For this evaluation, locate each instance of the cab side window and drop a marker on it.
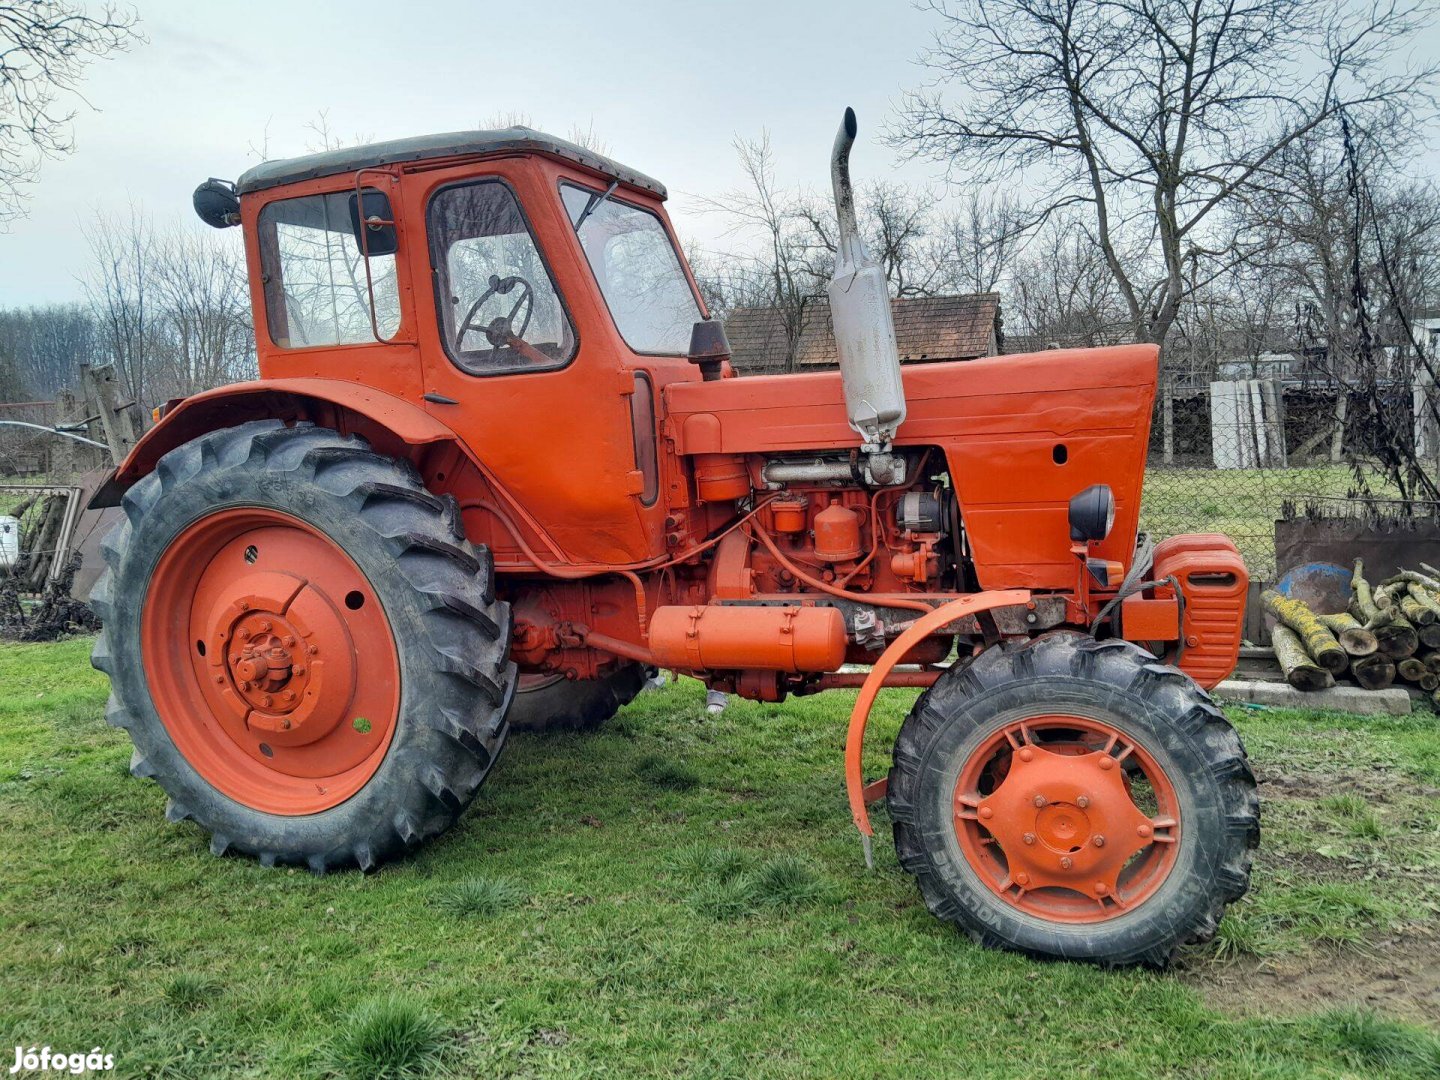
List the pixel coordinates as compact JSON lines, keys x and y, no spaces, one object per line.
{"x":499,"y":309}
{"x":315,"y":287}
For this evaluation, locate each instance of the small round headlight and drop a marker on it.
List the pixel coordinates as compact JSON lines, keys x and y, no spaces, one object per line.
{"x":1092,"y":513}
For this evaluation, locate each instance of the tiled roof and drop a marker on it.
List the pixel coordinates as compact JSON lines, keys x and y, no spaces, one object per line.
{"x":926,"y":328}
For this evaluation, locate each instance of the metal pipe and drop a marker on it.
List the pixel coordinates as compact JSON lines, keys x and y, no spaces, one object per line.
{"x":619,"y":647}
{"x":54,"y":431}
{"x":844,"y":191}
{"x":852,"y":680}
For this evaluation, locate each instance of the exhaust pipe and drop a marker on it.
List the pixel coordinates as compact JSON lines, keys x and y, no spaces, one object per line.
{"x":860,"y":312}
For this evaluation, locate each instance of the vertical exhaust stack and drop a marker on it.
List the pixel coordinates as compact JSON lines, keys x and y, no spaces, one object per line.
{"x":860,"y":312}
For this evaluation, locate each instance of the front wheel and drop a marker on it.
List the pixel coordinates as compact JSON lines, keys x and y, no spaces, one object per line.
{"x":1074,"y":799}
{"x":304,"y":648}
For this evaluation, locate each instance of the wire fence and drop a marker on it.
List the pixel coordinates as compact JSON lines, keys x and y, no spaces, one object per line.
{"x":27,"y":455}
{"x":1227,"y":458}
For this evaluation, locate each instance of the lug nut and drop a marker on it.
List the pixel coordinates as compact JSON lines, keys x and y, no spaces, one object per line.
{"x":285,"y":724}
{"x":1083,"y":801}
{"x":313,"y":649}
{"x":244,"y":605}
{"x":1107,"y":763}
{"x":244,"y":635}
{"x":1022,"y":879}
{"x":289,"y":642}
{"x":1098,"y":841}
{"x":1029,"y":838}
{"x":265,"y":701}
{"x":1027,"y":754}
{"x":1039,"y":800}
{"x":265,"y":626}
{"x":1101,"y":888}
{"x":1145,"y":831}
{"x":299,"y":671}
{"x":1066,"y":863}
{"x":220,"y":679}
{"x":986,"y":813}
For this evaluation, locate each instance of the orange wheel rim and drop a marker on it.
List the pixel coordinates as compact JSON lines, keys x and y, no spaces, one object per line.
{"x":270,"y":661}
{"x":1067,"y":818}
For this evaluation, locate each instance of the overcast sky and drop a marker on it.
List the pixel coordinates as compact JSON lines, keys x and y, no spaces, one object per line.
{"x":667,"y":86}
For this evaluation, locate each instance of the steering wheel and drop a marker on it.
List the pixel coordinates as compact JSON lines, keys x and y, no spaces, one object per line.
{"x":501,"y":332}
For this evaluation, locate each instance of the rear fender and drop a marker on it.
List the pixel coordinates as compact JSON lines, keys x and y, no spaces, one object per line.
{"x":392,"y":425}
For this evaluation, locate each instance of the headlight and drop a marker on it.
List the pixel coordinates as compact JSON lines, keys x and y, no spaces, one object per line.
{"x":1092,"y":513}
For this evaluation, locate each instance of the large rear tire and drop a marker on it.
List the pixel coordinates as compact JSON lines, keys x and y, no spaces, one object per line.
{"x":560,"y":704}
{"x":1074,"y":799}
{"x":304,"y":648}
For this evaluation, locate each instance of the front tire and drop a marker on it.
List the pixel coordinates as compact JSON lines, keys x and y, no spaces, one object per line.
{"x":1074,"y":799}
{"x":304,"y":648}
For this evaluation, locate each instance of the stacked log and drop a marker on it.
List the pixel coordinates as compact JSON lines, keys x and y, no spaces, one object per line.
{"x":1388,"y":632}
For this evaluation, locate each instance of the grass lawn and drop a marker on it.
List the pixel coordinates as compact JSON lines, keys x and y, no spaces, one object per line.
{"x":681,"y":895}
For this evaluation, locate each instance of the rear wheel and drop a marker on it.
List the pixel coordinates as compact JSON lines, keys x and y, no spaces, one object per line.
{"x":555,"y":703}
{"x":1074,"y":799}
{"x":304,"y":648}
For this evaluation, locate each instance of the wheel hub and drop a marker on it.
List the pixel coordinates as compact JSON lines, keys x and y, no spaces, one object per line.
{"x":1059,"y":832}
{"x":262,"y":665}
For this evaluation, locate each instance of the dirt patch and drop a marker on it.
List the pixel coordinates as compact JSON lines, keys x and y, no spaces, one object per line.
{"x":1396,"y":976}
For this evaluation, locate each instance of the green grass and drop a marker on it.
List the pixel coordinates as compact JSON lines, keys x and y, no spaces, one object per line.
{"x":678,"y":895}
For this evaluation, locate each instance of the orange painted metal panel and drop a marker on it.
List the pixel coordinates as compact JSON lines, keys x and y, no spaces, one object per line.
{"x":1214,"y":582}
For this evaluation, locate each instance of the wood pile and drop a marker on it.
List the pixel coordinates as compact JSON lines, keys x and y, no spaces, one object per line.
{"x":1389,"y":633}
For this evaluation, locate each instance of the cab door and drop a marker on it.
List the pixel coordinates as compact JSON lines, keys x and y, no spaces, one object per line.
{"x":518,"y":359}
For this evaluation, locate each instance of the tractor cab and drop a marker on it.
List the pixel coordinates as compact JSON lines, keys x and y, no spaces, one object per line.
{"x":505,"y":282}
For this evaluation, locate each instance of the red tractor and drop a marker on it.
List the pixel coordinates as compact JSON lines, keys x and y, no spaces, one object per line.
{"x":497,"y":468}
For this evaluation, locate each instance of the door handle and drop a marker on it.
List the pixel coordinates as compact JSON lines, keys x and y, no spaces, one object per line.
{"x":440,"y":399}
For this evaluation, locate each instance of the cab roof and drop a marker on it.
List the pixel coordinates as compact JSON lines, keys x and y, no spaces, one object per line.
{"x":517,"y":139}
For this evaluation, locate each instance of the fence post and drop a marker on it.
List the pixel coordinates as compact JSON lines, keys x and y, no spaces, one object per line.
{"x":1337,"y":437}
{"x":1167,"y":416}
{"x":118,"y":419}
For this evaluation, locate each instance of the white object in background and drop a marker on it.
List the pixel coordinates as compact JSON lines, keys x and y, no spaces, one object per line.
{"x":9,"y":542}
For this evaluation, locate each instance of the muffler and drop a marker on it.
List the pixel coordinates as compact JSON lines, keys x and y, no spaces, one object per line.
{"x":860,"y":312}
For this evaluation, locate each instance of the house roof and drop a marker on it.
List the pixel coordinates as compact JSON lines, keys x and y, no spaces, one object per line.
{"x":926,"y":328}
{"x":517,"y":139}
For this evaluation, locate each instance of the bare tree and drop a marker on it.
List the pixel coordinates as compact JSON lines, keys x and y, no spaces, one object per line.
{"x":202,"y":318}
{"x":45,"y":46}
{"x":785,"y":266}
{"x":117,"y":284}
{"x":43,"y":346}
{"x":979,"y":242}
{"x":1152,"y":114}
{"x":1060,"y":289}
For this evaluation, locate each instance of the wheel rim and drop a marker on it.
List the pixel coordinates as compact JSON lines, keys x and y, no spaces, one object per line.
{"x":270,"y":661}
{"x":1067,"y":818}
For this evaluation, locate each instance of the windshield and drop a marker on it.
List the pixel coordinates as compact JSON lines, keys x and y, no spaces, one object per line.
{"x":639,"y":272}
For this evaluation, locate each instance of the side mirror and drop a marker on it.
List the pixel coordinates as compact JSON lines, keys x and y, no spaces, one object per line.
{"x":377,"y":234}
{"x":217,"y":204}
{"x":1092,"y":513}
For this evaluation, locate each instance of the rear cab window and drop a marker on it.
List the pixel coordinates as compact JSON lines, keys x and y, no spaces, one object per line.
{"x":316,"y":291}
